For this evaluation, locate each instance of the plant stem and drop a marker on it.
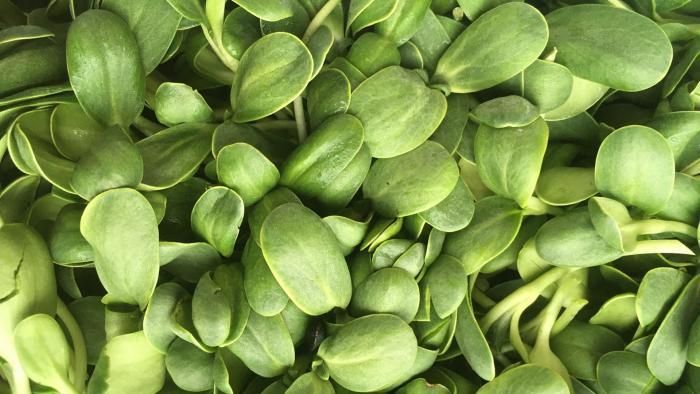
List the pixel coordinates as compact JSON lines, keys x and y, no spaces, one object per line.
{"x":657,"y":226}
{"x":653,"y":246}
{"x":693,"y":168}
{"x":482,"y":299}
{"x":3,"y":145}
{"x":19,"y":382}
{"x":568,"y":315}
{"x":79,"y":349}
{"x":532,"y":289}
{"x":217,"y":47}
{"x":319,"y":18}
{"x":515,"y":339}
{"x":299,"y":118}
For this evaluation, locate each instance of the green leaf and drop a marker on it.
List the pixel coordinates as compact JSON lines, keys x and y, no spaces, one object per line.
{"x":328,"y":94}
{"x":72,"y":131}
{"x":89,"y":312}
{"x":16,"y":198}
{"x":267,"y":10}
{"x":640,"y":174}
{"x":211,"y":313}
{"x":369,"y":353}
{"x":681,"y":134}
{"x":388,"y":290}
{"x":241,"y":29}
{"x":398,"y":111}
{"x":321,"y":158}
{"x":156,"y":321}
{"x":412,"y":182}
{"x":177,"y":103}
{"x":694,"y":344}
{"x":272,"y":200}
{"x":348,"y":232}
{"x":188,"y":261}
{"x":36,"y":63}
{"x":278,"y":65}
{"x":545,"y":84}
{"x":404,"y":21}
{"x":431,"y":40}
{"x":246,"y":170}
{"x":128,"y":363}
{"x":105,"y":69}
{"x":365,"y":13}
{"x":580,"y":346}
{"x":625,"y":372}
{"x":494,"y":226}
{"x":265,"y":347}
{"x":320,"y":44}
{"x":617,"y":313}
{"x":272,"y":145}
{"x":536,"y":378}
{"x":657,"y":291}
{"x":474,"y":61}
{"x":154,"y":23}
{"x":584,"y":94}
{"x":509,"y":159}
{"x":447,"y":284}
{"x":566,"y":185}
{"x":305,"y":258}
{"x":684,"y":204}
{"x":344,"y":187}
{"x":472,"y":343}
{"x":190,"y":368}
{"x":217,"y":217}
{"x":112,"y":162}
{"x":632,"y":57}
{"x":508,"y":111}
{"x":191,"y":10}
{"x":264,"y":294}
{"x":667,"y":353}
{"x":44,"y":353}
{"x":67,"y":244}
{"x":173,"y":155}
{"x":573,"y":234}
{"x":372,"y":52}
{"x":454,"y":212}
{"x":121,"y":228}
{"x":449,"y":133}
{"x":310,"y":383}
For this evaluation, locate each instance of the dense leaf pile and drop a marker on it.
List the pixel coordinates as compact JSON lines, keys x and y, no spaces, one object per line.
{"x":319,"y":196}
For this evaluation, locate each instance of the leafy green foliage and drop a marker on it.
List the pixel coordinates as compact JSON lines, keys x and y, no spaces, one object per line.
{"x":321,"y":196}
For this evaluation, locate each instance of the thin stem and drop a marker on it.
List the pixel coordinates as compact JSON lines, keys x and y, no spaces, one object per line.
{"x":228,"y":60}
{"x":657,"y":226}
{"x":515,"y":339}
{"x":654,"y":246}
{"x":19,"y":382}
{"x":299,"y":118}
{"x":568,"y":315}
{"x":550,"y":317}
{"x":534,"y":288}
{"x":79,"y":349}
{"x":318,"y":20}
{"x":3,"y":145}
{"x":482,"y":299}
{"x":693,"y":168}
